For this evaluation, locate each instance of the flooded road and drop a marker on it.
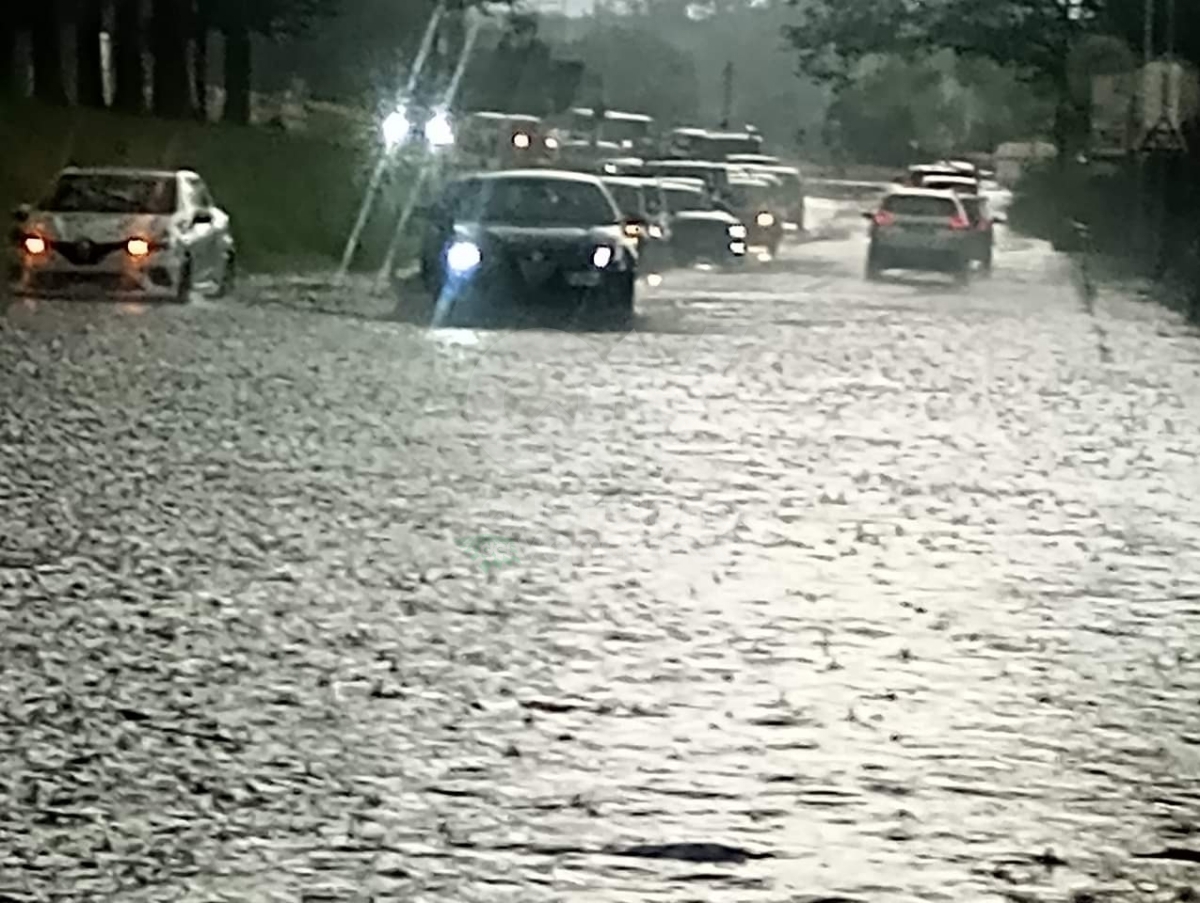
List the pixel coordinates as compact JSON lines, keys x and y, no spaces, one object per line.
{"x":808,"y":589}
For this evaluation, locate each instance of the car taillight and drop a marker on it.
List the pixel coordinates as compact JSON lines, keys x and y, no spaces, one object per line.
{"x":959,"y":222}
{"x":883,"y":218}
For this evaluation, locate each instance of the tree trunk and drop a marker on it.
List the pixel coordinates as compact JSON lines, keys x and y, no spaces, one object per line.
{"x":237,"y":74}
{"x":127,"y":56}
{"x":8,"y":56}
{"x":48,"y":82}
{"x":200,"y":63}
{"x":88,"y":78}
{"x":168,"y":37}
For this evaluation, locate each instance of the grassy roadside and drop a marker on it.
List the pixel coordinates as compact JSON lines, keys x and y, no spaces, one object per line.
{"x":293,"y":198}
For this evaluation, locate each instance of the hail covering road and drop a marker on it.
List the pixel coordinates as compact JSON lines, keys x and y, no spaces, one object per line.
{"x":807,"y":589}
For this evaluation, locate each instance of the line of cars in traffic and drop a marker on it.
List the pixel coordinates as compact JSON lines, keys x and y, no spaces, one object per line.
{"x":938,"y":218}
{"x":505,"y":243}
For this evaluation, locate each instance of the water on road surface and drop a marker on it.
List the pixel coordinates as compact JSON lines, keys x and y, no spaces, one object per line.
{"x":808,"y":589}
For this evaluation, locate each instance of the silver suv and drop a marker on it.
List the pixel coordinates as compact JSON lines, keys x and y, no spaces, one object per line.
{"x":920,"y":229}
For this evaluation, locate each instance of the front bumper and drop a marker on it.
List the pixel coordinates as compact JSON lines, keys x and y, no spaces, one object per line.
{"x":156,"y":276}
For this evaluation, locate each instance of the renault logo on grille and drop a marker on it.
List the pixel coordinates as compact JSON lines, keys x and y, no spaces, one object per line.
{"x":86,"y":249}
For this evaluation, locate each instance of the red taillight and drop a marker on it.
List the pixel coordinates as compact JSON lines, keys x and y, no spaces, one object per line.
{"x":883,"y":218}
{"x":959,"y":222}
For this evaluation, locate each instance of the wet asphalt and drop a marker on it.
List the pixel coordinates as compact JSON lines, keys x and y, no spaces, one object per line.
{"x":807,"y":589}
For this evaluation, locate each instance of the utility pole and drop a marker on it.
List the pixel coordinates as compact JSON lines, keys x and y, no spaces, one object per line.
{"x":727,"y":99}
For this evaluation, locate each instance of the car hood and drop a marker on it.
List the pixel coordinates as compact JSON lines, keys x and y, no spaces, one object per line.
{"x":707,"y":216}
{"x":97,"y":227}
{"x":540,"y":236}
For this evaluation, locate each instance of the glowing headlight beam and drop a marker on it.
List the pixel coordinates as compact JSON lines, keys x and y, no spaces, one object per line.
{"x":34,"y":245}
{"x":137,"y":247}
{"x":521,"y":141}
{"x":765,"y":219}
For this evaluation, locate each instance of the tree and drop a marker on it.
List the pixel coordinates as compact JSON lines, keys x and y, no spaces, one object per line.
{"x":1037,"y":38}
{"x":237,"y":20}
{"x":89,"y":22}
{"x":130,"y":90}
{"x":9,"y":27}
{"x":663,"y":84}
{"x":46,"y":39}
{"x":170,"y":22}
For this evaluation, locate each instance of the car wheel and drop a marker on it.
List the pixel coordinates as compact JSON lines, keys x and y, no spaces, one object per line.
{"x":228,"y":276}
{"x":962,"y":271}
{"x":183,"y":289}
{"x":874,"y":265}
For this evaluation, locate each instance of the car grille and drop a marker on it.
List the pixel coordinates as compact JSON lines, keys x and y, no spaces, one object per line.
{"x":86,"y":253}
{"x":57,"y":282}
{"x":538,"y":267}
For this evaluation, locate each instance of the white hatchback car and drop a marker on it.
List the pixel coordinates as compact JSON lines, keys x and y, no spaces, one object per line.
{"x":123,"y":232}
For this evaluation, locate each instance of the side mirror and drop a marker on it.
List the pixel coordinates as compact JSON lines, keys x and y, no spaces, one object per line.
{"x":202,"y":218}
{"x":21,"y":214}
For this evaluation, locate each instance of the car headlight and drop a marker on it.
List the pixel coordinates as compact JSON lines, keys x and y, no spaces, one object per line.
{"x":521,"y":141}
{"x":439,"y":132}
{"x":462,"y":257}
{"x":395,"y":128}
{"x":137,"y":248}
{"x":35,"y":245}
{"x":737,"y":230}
{"x":602,"y":257}
{"x":765,"y":219}
{"x":656,"y":230}
{"x":737,"y":248}
{"x":551,"y":144}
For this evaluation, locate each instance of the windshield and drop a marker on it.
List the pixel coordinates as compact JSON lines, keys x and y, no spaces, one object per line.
{"x":919,"y":205}
{"x":536,"y":202}
{"x":628,"y":198}
{"x":112,"y":193}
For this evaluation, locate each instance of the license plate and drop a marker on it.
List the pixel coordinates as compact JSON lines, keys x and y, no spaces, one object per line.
{"x":581,"y":280}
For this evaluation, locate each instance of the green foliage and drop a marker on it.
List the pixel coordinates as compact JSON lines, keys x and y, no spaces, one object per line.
{"x":895,"y":110}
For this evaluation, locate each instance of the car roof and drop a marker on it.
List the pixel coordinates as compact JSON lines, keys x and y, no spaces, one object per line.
{"x":494,"y":114}
{"x":132,"y":172}
{"x":695,"y":164}
{"x":924,"y":193}
{"x":695,"y":185}
{"x":956,"y":179}
{"x":552,"y":175}
{"x":630,"y":181}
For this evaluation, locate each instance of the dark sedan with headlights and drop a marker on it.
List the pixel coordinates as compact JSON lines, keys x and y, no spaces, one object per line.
{"x":528,"y":243}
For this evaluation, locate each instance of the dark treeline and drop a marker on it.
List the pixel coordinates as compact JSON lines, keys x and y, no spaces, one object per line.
{"x":160,"y":49}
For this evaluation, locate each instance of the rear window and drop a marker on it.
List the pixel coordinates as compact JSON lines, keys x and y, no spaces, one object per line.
{"x":916,"y":205}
